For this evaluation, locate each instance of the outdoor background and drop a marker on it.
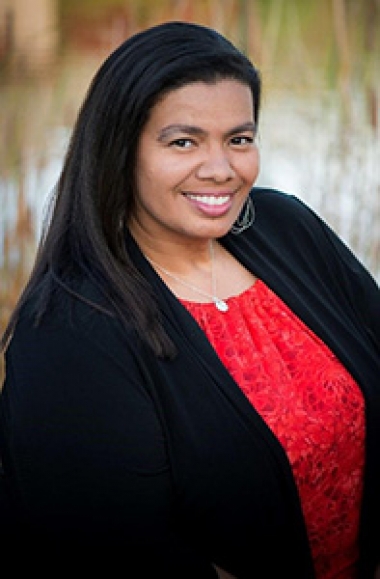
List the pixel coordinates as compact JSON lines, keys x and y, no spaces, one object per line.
{"x":319,"y":133}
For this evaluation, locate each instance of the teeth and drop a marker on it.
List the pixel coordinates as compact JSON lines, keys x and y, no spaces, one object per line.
{"x":210,"y":200}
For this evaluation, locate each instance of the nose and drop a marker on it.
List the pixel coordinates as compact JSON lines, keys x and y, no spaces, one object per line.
{"x":216,"y":166}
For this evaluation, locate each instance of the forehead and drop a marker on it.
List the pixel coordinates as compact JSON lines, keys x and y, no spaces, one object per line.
{"x":201,"y":101}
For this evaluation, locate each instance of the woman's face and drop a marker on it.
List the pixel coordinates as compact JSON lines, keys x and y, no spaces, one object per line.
{"x":196,"y":162}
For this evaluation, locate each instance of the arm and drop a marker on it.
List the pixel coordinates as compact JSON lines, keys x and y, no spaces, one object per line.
{"x":89,"y":453}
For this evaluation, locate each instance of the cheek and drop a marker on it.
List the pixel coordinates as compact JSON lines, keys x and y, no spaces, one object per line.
{"x":249,"y":170}
{"x":158,"y":168}
{"x":148,"y":178}
{"x":166,"y":175}
{"x":157,"y":183}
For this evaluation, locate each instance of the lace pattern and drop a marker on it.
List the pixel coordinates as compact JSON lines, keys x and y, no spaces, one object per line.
{"x":312,"y":405}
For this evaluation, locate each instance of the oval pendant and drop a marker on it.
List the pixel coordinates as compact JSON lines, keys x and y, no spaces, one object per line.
{"x":221,"y":305}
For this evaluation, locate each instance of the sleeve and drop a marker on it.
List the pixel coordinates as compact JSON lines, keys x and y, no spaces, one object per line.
{"x":88,"y":457}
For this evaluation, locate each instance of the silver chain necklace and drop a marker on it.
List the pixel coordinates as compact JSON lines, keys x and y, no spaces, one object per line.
{"x":220,"y":304}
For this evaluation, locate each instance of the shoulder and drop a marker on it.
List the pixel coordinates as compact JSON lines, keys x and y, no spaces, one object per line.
{"x":74,"y":350}
{"x":288,"y":223}
{"x":289,"y":229}
{"x":291,"y":232}
{"x":273,"y":204}
{"x":76,"y":322}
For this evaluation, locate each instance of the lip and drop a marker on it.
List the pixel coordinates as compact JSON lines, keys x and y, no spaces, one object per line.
{"x":211,"y":204}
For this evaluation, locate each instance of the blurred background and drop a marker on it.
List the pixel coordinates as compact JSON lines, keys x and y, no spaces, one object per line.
{"x":319,"y":133}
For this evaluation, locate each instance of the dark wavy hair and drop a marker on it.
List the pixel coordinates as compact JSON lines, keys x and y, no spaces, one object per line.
{"x":94,"y":197}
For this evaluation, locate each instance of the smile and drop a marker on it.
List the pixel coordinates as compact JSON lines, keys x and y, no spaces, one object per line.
{"x":210,"y":199}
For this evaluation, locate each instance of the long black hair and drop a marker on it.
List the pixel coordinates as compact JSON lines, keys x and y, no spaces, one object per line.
{"x":94,"y":197}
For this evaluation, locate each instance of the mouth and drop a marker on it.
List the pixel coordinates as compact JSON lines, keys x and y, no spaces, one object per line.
{"x":210,"y":205}
{"x":210,"y":200}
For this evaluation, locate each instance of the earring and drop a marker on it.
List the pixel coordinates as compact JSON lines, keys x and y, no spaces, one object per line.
{"x":245,"y":219}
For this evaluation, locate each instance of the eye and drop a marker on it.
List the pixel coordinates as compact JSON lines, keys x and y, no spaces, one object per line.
{"x":182,"y":143}
{"x":242,"y":140}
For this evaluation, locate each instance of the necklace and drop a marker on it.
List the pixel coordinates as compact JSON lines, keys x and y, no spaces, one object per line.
{"x":220,"y":304}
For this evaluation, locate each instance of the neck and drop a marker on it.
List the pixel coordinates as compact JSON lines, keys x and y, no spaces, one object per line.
{"x":220,"y":304}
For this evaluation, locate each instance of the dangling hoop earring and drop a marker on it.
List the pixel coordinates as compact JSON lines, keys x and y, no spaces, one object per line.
{"x":245,"y":219}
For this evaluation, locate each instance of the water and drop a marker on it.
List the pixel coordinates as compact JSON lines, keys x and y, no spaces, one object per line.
{"x":316,"y":140}
{"x":333,"y":165}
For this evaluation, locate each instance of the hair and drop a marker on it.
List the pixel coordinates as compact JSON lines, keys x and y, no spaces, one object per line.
{"x":93,"y":199}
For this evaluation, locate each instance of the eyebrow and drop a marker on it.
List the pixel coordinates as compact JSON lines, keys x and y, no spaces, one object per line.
{"x":169,"y":130}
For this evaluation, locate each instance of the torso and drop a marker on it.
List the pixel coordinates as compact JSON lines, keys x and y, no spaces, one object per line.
{"x":313,"y":406}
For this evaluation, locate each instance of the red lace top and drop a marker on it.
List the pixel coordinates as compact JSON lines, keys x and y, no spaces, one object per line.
{"x":313,"y":406}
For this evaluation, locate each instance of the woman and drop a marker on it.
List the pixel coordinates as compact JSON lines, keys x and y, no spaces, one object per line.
{"x":193,"y":369}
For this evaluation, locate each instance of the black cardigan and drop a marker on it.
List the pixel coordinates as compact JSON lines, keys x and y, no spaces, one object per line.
{"x":119,"y":457}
